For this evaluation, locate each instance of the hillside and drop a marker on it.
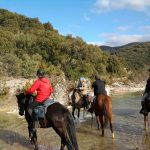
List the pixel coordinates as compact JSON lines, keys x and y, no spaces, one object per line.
{"x":27,"y":44}
{"x":136,"y":55}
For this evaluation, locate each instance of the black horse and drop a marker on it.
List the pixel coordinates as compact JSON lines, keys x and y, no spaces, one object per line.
{"x":78,"y":102}
{"x":147,"y":104}
{"x":57,"y":116}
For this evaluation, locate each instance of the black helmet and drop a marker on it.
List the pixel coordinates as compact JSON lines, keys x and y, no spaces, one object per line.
{"x":97,"y":76}
{"x":40,"y":73}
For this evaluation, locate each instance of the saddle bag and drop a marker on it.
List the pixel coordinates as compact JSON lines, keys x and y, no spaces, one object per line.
{"x":148,"y":97}
{"x":38,"y":112}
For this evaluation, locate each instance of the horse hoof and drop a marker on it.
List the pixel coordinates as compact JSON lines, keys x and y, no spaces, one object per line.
{"x":36,"y":147}
{"x":113,"y":136}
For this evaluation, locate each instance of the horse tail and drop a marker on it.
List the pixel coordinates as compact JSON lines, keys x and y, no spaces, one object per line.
{"x":71,"y":131}
{"x":105,"y":113}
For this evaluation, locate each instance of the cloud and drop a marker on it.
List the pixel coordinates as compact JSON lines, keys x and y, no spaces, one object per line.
{"x":145,"y":28}
{"x":118,"y":40}
{"x":108,"y":5}
{"x":123,"y":28}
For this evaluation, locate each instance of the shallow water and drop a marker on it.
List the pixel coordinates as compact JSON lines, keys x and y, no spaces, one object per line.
{"x":127,"y":123}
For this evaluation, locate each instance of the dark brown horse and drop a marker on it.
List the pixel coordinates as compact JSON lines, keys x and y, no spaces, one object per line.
{"x":147,"y":104}
{"x":103,"y":112}
{"x":57,"y":116}
{"x":78,"y":102}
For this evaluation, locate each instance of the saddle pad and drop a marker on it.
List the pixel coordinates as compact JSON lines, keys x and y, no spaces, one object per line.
{"x":48,"y":102}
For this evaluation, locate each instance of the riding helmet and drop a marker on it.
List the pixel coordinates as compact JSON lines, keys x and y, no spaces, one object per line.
{"x":40,"y":73}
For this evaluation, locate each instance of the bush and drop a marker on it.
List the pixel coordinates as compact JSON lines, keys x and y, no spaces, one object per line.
{"x":4,"y":90}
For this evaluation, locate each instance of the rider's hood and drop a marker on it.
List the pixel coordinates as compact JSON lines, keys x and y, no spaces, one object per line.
{"x":45,"y":80}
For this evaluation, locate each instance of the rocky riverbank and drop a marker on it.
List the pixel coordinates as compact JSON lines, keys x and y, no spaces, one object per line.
{"x":61,"y":90}
{"x":118,"y":89}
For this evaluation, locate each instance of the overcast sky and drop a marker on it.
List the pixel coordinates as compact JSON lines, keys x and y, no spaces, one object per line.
{"x":102,"y":22}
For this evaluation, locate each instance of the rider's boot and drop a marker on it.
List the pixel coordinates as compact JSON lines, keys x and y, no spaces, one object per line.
{"x":91,"y":109}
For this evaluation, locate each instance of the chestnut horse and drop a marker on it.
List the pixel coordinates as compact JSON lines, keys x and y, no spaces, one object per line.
{"x":103,"y":112}
{"x":57,"y":116}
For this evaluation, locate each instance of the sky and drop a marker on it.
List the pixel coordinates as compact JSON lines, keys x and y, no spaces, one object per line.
{"x":100,"y":22}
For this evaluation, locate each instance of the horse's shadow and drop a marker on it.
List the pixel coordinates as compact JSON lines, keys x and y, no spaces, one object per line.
{"x":11,"y":138}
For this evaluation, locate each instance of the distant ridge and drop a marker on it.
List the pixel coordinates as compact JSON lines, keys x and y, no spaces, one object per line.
{"x":137,"y":54}
{"x":115,"y":48}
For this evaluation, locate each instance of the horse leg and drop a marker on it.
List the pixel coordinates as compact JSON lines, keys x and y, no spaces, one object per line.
{"x":111,"y":128}
{"x":145,"y":121}
{"x":78,"y":112}
{"x":34,"y":138}
{"x":30,"y":130}
{"x":62,"y":145}
{"x":92,"y":120}
{"x":83,"y":113}
{"x":97,"y":120}
{"x":73,"y":110}
{"x":66,"y":141}
{"x":102,"y":124}
{"x":109,"y":113}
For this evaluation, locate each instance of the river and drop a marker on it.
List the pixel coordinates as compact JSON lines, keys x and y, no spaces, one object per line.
{"x":127,"y":123}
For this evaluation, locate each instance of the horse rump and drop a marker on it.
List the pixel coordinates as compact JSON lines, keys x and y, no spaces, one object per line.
{"x":63,"y":123}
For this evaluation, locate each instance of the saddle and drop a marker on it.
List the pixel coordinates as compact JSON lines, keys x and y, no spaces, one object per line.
{"x":148,"y":97}
{"x":40,"y":111}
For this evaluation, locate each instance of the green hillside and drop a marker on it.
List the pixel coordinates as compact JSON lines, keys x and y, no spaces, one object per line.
{"x":27,"y":44}
{"x":136,"y":55}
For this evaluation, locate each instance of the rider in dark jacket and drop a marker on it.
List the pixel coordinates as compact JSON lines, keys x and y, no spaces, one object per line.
{"x":145,"y":95}
{"x":99,"y":86}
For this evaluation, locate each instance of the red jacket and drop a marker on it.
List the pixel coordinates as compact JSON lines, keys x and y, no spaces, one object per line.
{"x":43,"y":88}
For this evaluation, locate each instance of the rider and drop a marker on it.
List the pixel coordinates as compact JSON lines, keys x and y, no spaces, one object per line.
{"x":99,"y":88}
{"x":43,"y":88}
{"x":145,"y":95}
{"x":82,"y":89}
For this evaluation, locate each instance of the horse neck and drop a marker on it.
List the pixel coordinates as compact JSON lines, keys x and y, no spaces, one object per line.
{"x":29,"y":99}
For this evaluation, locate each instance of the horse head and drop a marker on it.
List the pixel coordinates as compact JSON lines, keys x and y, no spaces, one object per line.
{"x":21,"y":103}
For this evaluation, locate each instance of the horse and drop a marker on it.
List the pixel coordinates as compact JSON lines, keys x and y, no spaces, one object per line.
{"x":103,"y":112}
{"x":57,"y":116}
{"x":78,"y":102}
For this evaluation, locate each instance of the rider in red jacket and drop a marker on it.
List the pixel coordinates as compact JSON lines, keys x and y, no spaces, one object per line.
{"x":43,"y":88}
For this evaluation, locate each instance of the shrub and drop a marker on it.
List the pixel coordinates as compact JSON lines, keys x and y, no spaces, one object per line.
{"x":4,"y":90}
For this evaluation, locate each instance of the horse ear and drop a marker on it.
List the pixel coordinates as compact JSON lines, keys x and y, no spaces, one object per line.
{"x":18,"y":91}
